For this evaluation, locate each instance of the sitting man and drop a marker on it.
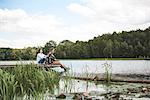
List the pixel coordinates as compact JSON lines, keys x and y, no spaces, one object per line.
{"x":51,"y":59}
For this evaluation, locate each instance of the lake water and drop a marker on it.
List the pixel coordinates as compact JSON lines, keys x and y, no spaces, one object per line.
{"x":96,"y":66}
{"x":118,"y":66}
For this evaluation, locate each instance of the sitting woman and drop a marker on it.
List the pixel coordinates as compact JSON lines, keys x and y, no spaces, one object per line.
{"x":41,"y":58}
{"x":51,"y":59}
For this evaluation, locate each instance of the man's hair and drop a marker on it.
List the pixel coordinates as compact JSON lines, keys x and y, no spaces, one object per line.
{"x":51,"y":49}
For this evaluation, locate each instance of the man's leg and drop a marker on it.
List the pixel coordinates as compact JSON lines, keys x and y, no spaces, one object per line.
{"x":58,"y":63}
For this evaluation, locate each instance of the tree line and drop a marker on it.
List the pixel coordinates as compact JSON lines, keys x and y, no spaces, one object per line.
{"x":125,"y":44}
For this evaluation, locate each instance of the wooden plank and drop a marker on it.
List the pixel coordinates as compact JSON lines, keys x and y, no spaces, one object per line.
{"x":38,"y":65}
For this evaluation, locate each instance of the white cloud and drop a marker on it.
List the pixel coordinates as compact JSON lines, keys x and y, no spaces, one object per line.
{"x":4,"y":43}
{"x":28,"y":30}
{"x":19,"y":21}
{"x":114,"y":15}
{"x":121,"y":11}
{"x":25,"y":29}
{"x":83,"y":10}
{"x":100,"y":16}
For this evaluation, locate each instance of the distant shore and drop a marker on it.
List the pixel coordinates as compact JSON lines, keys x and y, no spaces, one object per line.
{"x":109,"y":59}
{"x":92,"y":59}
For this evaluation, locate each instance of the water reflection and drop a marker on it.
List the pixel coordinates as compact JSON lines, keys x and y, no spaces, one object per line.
{"x":75,"y":86}
{"x":117,"y":91}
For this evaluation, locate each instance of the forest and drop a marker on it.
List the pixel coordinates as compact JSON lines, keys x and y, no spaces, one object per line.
{"x":125,"y":44}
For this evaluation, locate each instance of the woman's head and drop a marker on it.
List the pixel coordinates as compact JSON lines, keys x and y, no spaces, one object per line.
{"x":40,"y":51}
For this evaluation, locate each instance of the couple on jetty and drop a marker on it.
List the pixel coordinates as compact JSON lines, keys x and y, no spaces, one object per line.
{"x":48,"y":59}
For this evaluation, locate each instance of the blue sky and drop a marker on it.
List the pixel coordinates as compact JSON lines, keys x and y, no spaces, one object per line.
{"x":26,"y":23}
{"x":36,"y":5}
{"x":54,"y":7}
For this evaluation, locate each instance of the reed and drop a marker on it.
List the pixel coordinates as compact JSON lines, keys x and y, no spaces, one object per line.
{"x":107,"y":74}
{"x":8,"y":86}
{"x":67,"y":81}
{"x":27,"y":81}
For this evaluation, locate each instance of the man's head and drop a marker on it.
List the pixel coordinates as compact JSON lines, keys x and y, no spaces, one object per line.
{"x":51,"y":50}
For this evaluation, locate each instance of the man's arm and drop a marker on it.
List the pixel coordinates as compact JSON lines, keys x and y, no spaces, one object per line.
{"x":53,"y":57}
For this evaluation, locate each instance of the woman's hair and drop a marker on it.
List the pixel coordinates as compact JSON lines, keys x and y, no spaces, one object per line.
{"x":38,"y":50}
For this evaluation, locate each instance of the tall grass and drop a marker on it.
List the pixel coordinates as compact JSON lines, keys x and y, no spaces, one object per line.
{"x":8,"y":86}
{"x":28,"y":81}
{"x":107,"y":67}
{"x":67,"y":81}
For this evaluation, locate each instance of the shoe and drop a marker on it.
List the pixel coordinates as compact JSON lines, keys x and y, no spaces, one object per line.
{"x":66,"y":69}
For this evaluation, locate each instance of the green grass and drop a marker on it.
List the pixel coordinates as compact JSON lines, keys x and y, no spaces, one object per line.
{"x":28,"y":81}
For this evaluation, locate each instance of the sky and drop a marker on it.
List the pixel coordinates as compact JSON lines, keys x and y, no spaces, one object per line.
{"x":28,"y":23}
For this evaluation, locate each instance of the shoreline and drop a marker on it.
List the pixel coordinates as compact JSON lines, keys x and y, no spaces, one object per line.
{"x":89,"y":59}
{"x":107,"y":59}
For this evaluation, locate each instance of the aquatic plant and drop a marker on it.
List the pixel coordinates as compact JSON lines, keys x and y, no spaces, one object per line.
{"x":67,"y":81}
{"x":107,"y":67}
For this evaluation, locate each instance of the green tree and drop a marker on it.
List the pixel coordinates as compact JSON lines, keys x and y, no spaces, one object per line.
{"x":108,"y":49}
{"x":6,"y":54}
{"x":49,"y":45}
{"x":63,"y":49}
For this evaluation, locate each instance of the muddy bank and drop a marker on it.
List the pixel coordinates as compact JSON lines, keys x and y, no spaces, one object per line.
{"x":133,"y":76}
{"x":112,"y":92}
{"x":130,"y":78}
{"x":102,"y":75}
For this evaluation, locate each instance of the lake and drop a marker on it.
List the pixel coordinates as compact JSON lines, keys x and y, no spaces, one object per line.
{"x":96,"y":66}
